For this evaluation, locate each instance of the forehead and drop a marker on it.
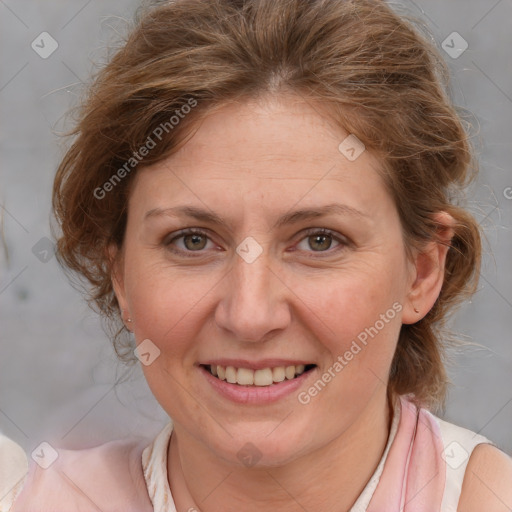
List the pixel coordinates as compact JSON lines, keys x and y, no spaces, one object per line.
{"x":263,"y":134}
{"x":281,"y":149}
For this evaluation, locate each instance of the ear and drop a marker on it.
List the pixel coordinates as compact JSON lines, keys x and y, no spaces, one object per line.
{"x":428,"y":271}
{"x":116,"y":260}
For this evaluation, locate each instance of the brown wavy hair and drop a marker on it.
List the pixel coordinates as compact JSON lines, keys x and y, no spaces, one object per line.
{"x":376,"y":73}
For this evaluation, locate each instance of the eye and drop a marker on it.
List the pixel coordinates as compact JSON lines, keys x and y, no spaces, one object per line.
{"x":320,"y":240}
{"x":195,"y":240}
{"x":189,"y":240}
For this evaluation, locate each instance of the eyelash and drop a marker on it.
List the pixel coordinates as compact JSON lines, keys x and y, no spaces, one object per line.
{"x":343,"y":242}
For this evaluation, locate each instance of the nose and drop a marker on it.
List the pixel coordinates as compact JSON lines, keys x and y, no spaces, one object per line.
{"x":254,"y":305}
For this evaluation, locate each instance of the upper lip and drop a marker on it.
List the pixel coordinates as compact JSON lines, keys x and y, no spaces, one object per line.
{"x":254,"y":365}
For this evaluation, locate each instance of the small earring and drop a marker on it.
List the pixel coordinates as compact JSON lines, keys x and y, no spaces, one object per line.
{"x":128,"y":320}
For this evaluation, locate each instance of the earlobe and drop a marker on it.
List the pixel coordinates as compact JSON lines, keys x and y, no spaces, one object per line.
{"x":429,"y":269}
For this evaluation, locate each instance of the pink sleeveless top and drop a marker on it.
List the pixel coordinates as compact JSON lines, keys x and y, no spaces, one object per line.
{"x":421,"y":470}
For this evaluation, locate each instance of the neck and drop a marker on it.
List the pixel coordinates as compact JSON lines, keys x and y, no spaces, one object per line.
{"x":328,"y":479}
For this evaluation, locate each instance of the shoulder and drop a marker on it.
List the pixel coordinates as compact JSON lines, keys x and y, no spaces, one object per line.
{"x":487,"y":482}
{"x":13,"y":470}
{"x":478,"y":475}
{"x":108,"y":476}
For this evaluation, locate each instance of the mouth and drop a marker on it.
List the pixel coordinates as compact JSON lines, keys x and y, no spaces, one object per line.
{"x":263,"y":377}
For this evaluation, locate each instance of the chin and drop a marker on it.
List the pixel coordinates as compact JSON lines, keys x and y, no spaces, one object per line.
{"x":261,"y":445}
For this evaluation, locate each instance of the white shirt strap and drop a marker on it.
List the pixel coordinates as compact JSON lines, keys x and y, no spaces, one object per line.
{"x":458,"y":443}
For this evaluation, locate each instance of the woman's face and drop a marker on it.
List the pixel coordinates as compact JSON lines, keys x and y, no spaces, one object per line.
{"x":299,"y":261}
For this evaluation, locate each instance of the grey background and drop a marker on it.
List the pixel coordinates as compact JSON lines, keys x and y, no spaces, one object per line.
{"x":57,"y":370}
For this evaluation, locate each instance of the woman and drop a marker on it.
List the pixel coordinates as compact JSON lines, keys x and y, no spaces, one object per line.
{"x":264,"y":194}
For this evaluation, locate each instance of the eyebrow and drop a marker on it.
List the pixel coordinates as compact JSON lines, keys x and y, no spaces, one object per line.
{"x":287,"y":218}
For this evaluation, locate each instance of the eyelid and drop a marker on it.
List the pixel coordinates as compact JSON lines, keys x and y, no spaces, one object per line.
{"x":183,"y":232}
{"x":323,"y":231}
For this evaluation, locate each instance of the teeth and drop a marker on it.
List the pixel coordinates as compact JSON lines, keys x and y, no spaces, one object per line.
{"x":289,"y":372}
{"x":263,"y":377}
{"x":278,"y":374}
{"x":245,"y":376}
{"x":231,"y":374}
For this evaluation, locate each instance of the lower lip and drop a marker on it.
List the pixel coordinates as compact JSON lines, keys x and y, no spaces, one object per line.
{"x":255,"y":394}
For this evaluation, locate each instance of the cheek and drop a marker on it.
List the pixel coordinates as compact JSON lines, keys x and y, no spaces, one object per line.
{"x":344,"y":305}
{"x":356,"y":318}
{"x":358,"y":329}
{"x":170,"y":306}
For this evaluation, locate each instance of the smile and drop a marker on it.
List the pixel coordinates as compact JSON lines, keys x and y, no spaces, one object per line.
{"x":261,"y":377}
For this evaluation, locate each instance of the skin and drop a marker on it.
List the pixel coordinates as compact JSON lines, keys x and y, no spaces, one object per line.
{"x":487,"y":481}
{"x":250,"y":163}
